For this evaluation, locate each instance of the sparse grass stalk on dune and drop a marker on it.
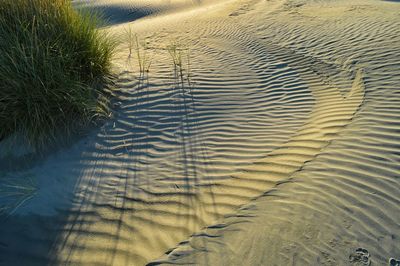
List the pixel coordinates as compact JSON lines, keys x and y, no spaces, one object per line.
{"x":189,"y":68}
{"x":52,"y":61}
{"x":178,"y":54}
{"x":141,"y":52}
{"x":143,"y":59}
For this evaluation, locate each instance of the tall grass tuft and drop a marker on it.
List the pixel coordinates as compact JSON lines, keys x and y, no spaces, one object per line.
{"x":53,"y":61}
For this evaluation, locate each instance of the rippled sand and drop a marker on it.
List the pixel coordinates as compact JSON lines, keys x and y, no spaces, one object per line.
{"x":282,"y":149}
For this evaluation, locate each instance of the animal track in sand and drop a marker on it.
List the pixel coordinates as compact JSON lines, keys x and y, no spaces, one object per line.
{"x":360,"y":257}
{"x":394,"y":262}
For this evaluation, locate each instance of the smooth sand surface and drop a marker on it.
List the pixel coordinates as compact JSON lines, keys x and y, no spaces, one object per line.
{"x":282,"y":150}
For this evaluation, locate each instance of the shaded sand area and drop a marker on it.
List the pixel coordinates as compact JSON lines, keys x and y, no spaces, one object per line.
{"x":279,"y":145}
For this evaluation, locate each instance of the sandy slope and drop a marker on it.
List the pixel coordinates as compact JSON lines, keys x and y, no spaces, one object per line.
{"x":283,"y":151}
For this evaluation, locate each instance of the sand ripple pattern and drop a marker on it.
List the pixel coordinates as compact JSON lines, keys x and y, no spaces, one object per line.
{"x":146,"y":181}
{"x":154,"y":208}
{"x":283,"y":151}
{"x":348,"y":195}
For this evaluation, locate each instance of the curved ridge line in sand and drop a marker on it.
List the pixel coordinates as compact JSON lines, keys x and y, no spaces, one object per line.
{"x":316,"y":134}
{"x":282,"y":163}
{"x":174,"y":217}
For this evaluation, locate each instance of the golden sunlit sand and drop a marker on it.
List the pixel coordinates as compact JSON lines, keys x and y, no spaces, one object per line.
{"x":243,"y":132}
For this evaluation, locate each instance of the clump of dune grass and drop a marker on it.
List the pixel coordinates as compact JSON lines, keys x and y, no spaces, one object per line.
{"x":53,"y":61}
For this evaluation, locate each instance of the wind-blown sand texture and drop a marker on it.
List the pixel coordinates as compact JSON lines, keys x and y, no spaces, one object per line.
{"x":283,"y":150}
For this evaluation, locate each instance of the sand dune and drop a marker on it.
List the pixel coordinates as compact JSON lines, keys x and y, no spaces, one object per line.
{"x":282,"y":151}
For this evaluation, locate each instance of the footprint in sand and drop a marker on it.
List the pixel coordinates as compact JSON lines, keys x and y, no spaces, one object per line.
{"x":394,"y":262}
{"x":360,"y":257}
